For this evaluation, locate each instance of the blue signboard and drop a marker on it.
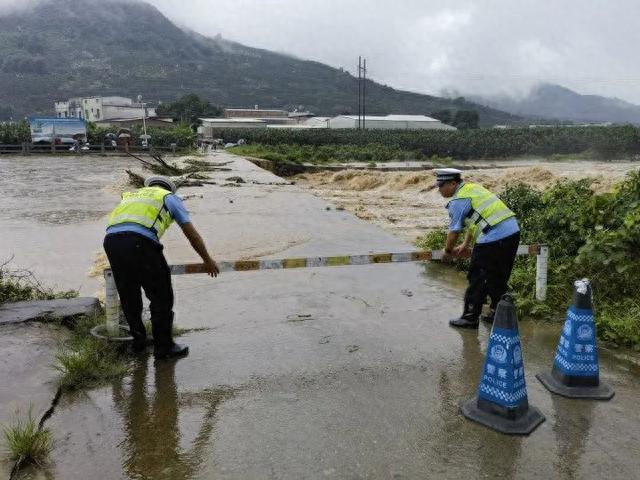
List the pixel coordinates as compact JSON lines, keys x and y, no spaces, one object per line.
{"x":65,"y":130}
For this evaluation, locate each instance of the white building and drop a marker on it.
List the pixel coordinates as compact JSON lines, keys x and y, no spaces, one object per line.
{"x":95,"y":109}
{"x":390,"y":122}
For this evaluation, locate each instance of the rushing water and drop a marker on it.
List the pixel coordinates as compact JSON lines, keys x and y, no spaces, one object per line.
{"x":53,"y":212}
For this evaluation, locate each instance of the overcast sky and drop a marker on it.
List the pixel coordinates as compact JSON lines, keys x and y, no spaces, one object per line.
{"x":433,"y":46}
{"x":436,"y":46}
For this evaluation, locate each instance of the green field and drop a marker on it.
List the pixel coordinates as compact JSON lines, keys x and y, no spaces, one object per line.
{"x":322,"y":145}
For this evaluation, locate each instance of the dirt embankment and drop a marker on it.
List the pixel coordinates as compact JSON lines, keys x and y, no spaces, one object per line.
{"x":407,"y":204}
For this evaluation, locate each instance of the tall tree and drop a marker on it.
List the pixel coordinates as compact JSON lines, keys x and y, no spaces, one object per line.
{"x":189,"y":109}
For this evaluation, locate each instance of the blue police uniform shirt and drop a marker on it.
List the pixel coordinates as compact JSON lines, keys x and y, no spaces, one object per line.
{"x":459,"y":210}
{"x":176,"y":209}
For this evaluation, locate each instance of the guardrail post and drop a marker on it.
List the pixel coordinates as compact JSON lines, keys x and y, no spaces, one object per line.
{"x":542,"y":267}
{"x":111,"y":303}
{"x":24,"y":148}
{"x":102,"y":148}
{"x":53,"y":145}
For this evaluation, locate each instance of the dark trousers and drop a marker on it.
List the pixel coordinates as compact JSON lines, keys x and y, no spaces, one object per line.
{"x":138,"y":263}
{"x":491,"y":265}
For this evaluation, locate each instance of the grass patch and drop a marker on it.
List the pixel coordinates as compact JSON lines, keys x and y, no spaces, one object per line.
{"x":26,"y":442}
{"x":84,"y":361}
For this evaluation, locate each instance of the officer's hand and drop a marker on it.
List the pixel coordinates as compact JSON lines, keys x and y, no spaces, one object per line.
{"x":461,"y":251}
{"x":211,"y":268}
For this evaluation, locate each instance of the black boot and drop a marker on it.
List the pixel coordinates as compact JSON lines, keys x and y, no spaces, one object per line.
{"x":465,"y":321}
{"x":469,"y":318}
{"x":174,"y":351}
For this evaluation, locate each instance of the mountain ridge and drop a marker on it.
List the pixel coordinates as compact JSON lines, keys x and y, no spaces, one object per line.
{"x":552,"y":101}
{"x":68,"y":48}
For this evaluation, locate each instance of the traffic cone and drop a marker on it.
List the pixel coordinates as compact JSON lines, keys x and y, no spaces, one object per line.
{"x":576,"y":371}
{"x":502,"y":403}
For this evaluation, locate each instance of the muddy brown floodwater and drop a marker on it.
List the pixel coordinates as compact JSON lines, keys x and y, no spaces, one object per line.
{"x":404,"y":203}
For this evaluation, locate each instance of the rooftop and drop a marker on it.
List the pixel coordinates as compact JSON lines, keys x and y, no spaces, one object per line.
{"x":394,"y":118}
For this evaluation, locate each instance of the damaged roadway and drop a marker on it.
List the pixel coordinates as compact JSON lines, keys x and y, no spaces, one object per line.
{"x":342,"y":372}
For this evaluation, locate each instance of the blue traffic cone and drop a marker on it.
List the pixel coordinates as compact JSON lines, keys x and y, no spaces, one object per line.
{"x":502,"y":403}
{"x":576,"y":370}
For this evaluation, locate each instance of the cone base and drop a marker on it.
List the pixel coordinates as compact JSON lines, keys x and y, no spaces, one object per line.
{"x":601,"y":392}
{"x":522,"y":426}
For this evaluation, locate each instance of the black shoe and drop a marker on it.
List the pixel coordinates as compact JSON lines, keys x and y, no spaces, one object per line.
{"x":464,"y":322}
{"x":139,"y":347}
{"x":489,"y":317}
{"x":174,"y":351}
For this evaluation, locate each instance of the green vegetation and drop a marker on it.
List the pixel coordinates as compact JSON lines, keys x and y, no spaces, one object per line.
{"x":372,"y":153}
{"x":14,"y":133}
{"x":22,"y":285}
{"x":595,"y":236}
{"x":85,"y":361}
{"x":595,"y":142}
{"x":180,"y":134}
{"x":27,"y":442}
{"x":189,"y":109}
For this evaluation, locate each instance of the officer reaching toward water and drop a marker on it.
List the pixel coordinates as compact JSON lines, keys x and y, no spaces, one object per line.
{"x":495,"y":233}
{"x":133,"y":247}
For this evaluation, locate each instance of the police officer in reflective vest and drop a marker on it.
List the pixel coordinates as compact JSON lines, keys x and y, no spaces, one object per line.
{"x":132,"y":244}
{"x":495,"y":233}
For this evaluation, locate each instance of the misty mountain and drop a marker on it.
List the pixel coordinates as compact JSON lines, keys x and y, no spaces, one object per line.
{"x":560,"y":103}
{"x":65,"y":48}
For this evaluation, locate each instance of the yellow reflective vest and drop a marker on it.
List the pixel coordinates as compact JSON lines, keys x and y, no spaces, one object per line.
{"x":487,"y":210}
{"x":145,"y":207}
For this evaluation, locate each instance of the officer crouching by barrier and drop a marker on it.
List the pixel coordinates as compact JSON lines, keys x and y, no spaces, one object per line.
{"x":133,"y":247}
{"x":495,"y":232}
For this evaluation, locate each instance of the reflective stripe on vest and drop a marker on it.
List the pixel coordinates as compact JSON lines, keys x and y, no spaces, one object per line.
{"x":144,"y":207}
{"x":487,"y":210}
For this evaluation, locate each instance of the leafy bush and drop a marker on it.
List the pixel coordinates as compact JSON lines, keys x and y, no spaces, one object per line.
{"x":14,"y":133}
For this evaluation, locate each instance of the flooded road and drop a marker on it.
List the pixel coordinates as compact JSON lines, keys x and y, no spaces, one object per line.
{"x":344,"y":372}
{"x":53,"y":215}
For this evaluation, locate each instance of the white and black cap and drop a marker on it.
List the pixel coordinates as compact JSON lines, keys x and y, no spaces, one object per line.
{"x":160,"y":181}
{"x":447,"y":174}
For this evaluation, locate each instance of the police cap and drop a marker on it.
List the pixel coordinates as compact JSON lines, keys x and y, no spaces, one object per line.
{"x":447,"y":174}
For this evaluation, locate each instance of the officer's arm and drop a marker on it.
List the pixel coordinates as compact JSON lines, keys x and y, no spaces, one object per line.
{"x":198,"y":245}
{"x":452,"y":238}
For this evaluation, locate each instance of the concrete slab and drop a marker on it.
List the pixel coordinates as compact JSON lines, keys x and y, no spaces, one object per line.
{"x":20,"y":312}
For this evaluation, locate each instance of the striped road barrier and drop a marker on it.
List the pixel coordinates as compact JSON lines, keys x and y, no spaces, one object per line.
{"x":112,"y":304}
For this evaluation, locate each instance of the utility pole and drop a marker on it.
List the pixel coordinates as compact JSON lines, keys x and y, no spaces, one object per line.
{"x":362,"y":93}
{"x":359,"y":91}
